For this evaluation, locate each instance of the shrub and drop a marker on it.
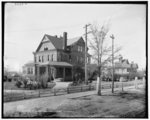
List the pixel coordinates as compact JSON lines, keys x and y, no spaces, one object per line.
{"x":18,"y":83}
{"x":25,"y":82}
{"x":43,"y":80}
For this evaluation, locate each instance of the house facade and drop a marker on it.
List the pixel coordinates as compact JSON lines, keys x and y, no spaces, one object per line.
{"x":57,"y":57}
{"x":28,"y":69}
{"x":124,"y":68}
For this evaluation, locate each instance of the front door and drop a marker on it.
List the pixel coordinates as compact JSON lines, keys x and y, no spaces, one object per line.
{"x":42,"y":70}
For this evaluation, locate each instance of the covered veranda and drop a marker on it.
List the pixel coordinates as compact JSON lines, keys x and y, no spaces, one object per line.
{"x":55,"y":69}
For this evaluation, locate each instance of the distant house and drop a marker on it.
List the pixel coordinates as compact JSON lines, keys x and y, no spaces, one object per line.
{"x":57,"y":57}
{"x":124,"y":68}
{"x":29,"y":69}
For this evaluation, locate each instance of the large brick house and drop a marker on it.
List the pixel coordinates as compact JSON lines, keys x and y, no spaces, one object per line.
{"x":58,"y":56}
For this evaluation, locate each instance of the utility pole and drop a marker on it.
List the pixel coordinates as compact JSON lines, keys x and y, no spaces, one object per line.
{"x":112,"y":36}
{"x":86,"y":26}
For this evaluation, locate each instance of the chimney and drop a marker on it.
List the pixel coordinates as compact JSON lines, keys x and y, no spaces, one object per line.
{"x":64,"y":40}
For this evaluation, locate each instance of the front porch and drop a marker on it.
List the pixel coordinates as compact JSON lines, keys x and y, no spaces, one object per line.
{"x":55,"y":70}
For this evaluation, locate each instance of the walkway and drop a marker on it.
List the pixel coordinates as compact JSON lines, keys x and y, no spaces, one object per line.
{"x":60,"y":84}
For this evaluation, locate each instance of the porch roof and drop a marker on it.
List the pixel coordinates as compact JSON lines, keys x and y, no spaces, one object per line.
{"x":53,"y":63}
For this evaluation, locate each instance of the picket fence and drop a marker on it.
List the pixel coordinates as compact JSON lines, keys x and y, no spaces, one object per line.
{"x":11,"y":96}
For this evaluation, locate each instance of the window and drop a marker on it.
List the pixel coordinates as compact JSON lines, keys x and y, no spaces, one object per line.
{"x":39,"y":59}
{"x":80,"y":49}
{"x":70,"y":58}
{"x":52,"y":57}
{"x":48,"y":57}
{"x":42,"y":59}
{"x":31,"y":72}
{"x":45,"y":48}
{"x":28,"y":71}
{"x":35,"y":59}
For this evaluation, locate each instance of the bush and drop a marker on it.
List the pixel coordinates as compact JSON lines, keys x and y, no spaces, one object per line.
{"x":25,"y":82}
{"x":18,"y":83}
{"x":43,"y":80}
{"x":5,"y":78}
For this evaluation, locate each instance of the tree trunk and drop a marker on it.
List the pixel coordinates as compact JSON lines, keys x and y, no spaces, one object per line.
{"x":99,"y":78}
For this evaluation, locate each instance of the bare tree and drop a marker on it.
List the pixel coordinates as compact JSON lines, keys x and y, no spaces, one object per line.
{"x":102,"y":53}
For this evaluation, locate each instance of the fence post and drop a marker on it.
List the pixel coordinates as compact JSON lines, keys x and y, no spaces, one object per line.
{"x":90,"y":87}
{"x":11,"y":95}
{"x":81,"y":88}
{"x":23,"y":95}
{"x":39,"y":93}
{"x":122,"y":86}
{"x":54,"y":92}
{"x":135,"y":83}
{"x":68,"y":90}
{"x":143,"y":81}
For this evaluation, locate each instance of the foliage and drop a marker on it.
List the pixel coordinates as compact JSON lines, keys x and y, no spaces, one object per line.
{"x":78,"y":75}
{"x":43,"y":80}
{"x":24,"y":82}
{"x":18,"y":83}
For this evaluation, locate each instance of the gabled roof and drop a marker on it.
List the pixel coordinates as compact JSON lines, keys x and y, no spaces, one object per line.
{"x":125,"y":64}
{"x":73,"y":40}
{"x":58,"y":42}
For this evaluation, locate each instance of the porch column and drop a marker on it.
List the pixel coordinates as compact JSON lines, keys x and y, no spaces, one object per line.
{"x":38,"y":71}
{"x":64,"y":73}
{"x":49,"y":72}
{"x":46,"y":70}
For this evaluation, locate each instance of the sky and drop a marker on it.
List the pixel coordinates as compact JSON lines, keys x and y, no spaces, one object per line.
{"x":26,"y":24}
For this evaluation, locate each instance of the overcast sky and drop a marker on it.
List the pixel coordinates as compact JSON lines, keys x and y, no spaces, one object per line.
{"x":25,"y":25}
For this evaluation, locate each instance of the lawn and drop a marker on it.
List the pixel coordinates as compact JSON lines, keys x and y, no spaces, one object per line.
{"x":129,"y":104}
{"x":11,"y":86}
{"x":119,"y":105}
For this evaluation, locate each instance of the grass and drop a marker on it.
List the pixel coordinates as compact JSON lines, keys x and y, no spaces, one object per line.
{"x":11,"y":85}
{"x":119,"y":105}
{"x":21,"y":93}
